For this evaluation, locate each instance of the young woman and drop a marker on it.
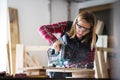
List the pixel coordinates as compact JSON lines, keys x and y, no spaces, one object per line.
{"x":80,"y":36}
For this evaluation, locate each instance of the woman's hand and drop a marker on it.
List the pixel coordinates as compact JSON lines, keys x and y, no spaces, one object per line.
{"x":56,"y":45}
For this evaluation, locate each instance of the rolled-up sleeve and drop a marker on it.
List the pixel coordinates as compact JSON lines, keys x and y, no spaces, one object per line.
{"x":47,"y":31}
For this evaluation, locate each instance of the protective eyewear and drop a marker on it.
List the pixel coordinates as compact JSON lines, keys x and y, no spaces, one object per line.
{"x":83,"y":28}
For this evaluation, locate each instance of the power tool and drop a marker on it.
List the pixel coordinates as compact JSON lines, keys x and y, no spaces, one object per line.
{"x":58,"y":59}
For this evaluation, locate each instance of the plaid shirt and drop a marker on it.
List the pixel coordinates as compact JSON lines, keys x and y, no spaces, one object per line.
{"x":47,"y":31}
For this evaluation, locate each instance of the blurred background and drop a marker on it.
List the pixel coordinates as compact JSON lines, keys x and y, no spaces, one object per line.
{"x":20,"y":20}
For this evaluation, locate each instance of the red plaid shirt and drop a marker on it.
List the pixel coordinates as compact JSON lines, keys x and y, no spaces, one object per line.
{"x":47,"y":31}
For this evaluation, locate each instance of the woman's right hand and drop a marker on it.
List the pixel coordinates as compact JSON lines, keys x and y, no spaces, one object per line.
{"x":56,"y":45}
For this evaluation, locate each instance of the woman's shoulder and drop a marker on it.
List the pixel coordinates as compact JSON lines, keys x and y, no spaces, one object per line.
{"x":68,"y":25}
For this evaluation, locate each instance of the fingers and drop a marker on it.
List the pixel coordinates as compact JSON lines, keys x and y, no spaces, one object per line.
{"x":56,"y":45}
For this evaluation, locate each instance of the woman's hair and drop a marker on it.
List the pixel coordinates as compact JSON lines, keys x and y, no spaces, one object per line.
{"x":90,"y":18}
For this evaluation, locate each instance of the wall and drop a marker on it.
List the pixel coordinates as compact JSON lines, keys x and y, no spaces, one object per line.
{"x":32,"y":14}
{"x":76,"y":6}
{"x":59,"y":10}
{"x":3,"y":34}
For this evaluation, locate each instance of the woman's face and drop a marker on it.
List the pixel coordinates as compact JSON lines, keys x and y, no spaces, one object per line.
{"x":82,"y":28}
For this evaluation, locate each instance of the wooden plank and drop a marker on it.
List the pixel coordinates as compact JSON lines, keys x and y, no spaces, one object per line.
{"x":58,"y":69}
{"x":111,"y":50}
{"x":19,"y":57}
{"x":8,"y":59}
{"x":28,"y":60}
{"x":14,"y":27}
{"x":97,"y":66}
{"x":13,"y":37}
{"x":103,"y":65}
{"x":76,"y":72}
{"x":86,"y":74}
{"x":98,"y":8}
{"x":36,"y":60}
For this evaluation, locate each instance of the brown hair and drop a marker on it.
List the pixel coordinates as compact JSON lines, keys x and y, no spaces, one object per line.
{"x":90,"y":18}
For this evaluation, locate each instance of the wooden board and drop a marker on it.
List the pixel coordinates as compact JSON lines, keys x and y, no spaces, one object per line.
{"x":76,"y":72}
{"x":13,"y":37}
{"x":59,"y":69}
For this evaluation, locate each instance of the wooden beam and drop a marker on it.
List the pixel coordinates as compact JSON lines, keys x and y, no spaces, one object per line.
{"x":19,"y":58}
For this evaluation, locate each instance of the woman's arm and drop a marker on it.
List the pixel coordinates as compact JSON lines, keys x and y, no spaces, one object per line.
{"x":47,"y":31}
